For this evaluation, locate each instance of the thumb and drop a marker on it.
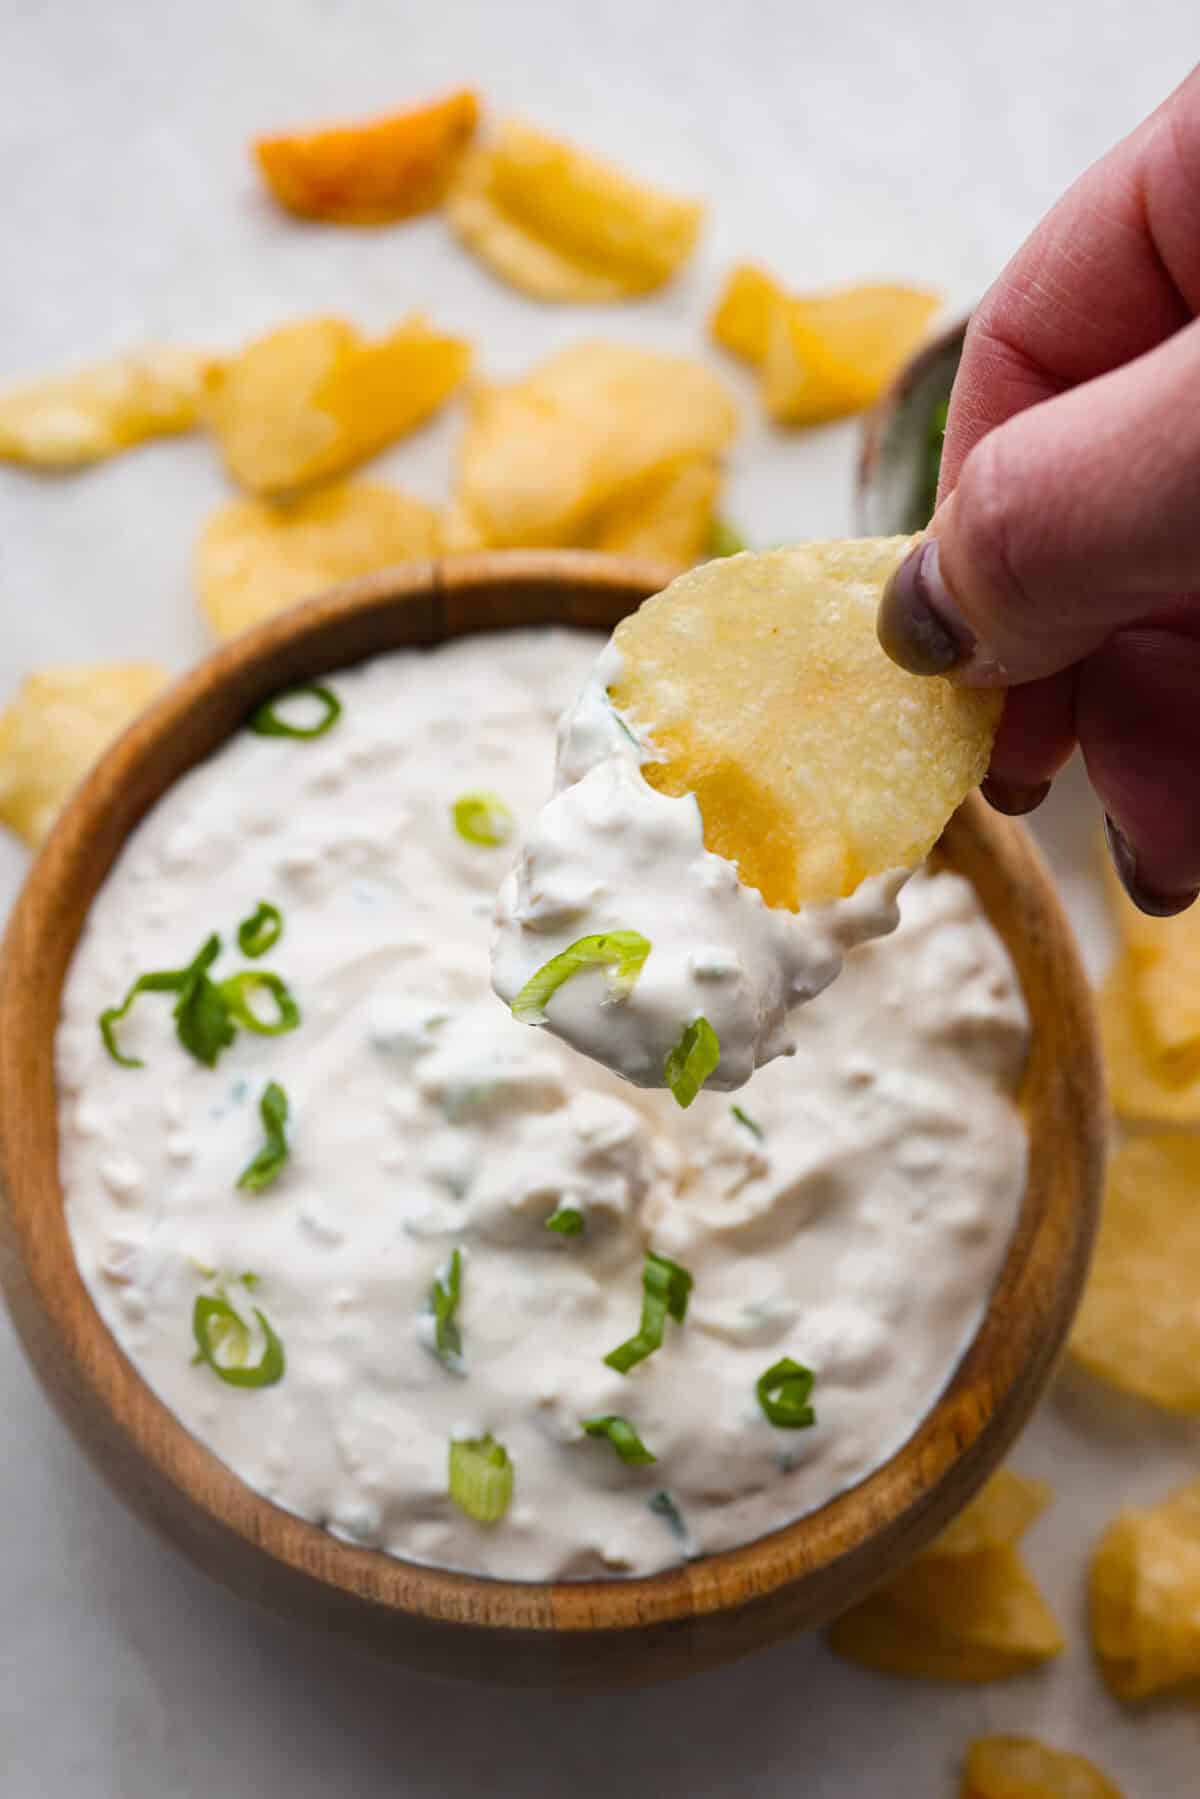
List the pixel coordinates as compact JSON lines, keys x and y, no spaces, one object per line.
{"x":1069,"y":520}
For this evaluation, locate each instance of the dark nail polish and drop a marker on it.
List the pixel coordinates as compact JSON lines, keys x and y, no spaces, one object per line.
{"x":919,"y":624}
{"x":1013,"y":799}
{"x":1146,"y":899}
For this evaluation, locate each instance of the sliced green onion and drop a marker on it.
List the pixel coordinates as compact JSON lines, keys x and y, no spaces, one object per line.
{"x":692,"y":1060}
{"x":444,"y":1296}
{"x":217,"y":1327}
{"x":744,"y":1118}
{"x":623,"y":953}
{"x":236,"y":993}
{"x":267,"y":721}
{"x":621,"y":1435}
{"x":931,"y":473}
{"x":482,"y":818}
{"x":202,"y":1021}
{"x":481,"y":1478}
{"x":251,"y":1281}
{"x":567,"y":1221}
{"x":783,"y":1393}
{"x":261,"y":931}
{"x":723,"y":539}
{"x":664,"y":1507}
{"x":268,"y":1163}
{"x":666,"y":1288}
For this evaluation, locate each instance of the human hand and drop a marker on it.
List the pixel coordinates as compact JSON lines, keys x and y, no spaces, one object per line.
{"x":1064,"y":555}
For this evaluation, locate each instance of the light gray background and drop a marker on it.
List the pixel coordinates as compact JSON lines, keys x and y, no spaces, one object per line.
{"x":834,"y":141}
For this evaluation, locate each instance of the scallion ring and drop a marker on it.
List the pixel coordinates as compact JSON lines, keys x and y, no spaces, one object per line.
{"x":482,"y":818}
{"x":216,"y":1326}
{"x":261,"y":931}
{"x":267,"y":720}
{"x":783,"y":1393}
{"x":692,"y":1060}
{"x":621,"y":1434}
{"x":481,"y":1478}
{"x":237,"y":992}
{"x":622,"y":953}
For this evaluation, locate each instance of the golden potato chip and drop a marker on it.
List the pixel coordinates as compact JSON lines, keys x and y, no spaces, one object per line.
{"x":1139,"y":1323}
{"x":1145,"y":1597}
{"x":670,"y":517}
{"x":815,"y":761}
{"x":312,"y":399}
{"x":742,"y":320}
{"x":64,"y":421}
{"x":1023,"y":1768}
{"x":563,"y":225}
{"x":379,"y":169}
{"x":1136,"y":1088}
{"x":543,"y":459}
{"x":998,"y":1516}
{"x":1163,"y":956}
{"x":257,"y":557}
{"x":60,"y":721}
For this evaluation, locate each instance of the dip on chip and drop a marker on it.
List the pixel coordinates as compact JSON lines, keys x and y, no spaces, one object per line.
{"x":64,"y":421}
{"x":373,"y":171}
{"x":59,"y":723}
{"x":1145,"y":1597}
{"x":1023,"y":1768}
{"x":257,"y":557}
{"x":312,"y":399}
{"x":563,"y":225}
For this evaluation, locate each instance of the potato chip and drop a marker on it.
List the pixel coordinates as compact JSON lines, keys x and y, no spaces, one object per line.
{"x":822,"y":355}
{"x":64,"y":421}
{"x":60,"y":721}
{"x":1136,"y":1088}
{"x":563,"y":225}
{"x":543,"y":459}
{"x":1164,"y":979}
{"x":670,"y":517}
{"x":368,"y":173}
{"x":998,"y":1516}
{"x":1023,"y":1768}
{"x":1145,"y":1597}
{"x":312,"y":399}
{"x":257,"y":557}
{"x":1139,"y":1323}
{"x":815,"y":761}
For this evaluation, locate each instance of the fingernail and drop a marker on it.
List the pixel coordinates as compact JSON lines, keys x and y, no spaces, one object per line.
{"x":919,"y":624}
{"x":1012,"y":798}
{"x":1145,"y":898}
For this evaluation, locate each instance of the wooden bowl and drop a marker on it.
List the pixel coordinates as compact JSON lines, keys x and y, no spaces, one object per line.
{"x":586,"y":1632}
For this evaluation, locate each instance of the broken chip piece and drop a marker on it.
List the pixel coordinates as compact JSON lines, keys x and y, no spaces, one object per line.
{"x":1023,"y":1768}
{"x":1145,"y":1597}
{"x":65,"y":421}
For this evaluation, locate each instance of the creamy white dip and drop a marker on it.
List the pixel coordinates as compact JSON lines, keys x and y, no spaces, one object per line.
{"x":608,"y":853}
{"x":852,"y":1219}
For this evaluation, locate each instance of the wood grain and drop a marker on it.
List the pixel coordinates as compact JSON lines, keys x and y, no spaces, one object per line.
{"x":526,"y":1633}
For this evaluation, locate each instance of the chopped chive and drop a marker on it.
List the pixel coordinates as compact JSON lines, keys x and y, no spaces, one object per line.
{"x":621,"y":1435}
{"x":444,"y":1296}
{"x":567,"y":1221}
{"x":252,"y":1282}
{"x":217,"y":1327}
{"x":783,"y":1393}
{"x":666,"y":1288}
{"x":482,"y":818}
{"x":236,"y":992}
{"x":623,"y":953}
{"x":261,"y":931}
{"x":664,"y":1507}
{"x":744,"y":1118}
{"x":481,"y":1478}
{"x":692,"y":1060}
{"x":202,"y":1021}
{"x":723,"y":539}
{"x":268,"y":1163}
{"x":267,"y":721}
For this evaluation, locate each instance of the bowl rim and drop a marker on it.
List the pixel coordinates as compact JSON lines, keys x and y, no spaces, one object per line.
{"x":156,"y":1463}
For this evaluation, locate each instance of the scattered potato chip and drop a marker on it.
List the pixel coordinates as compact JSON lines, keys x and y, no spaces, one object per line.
{"x":998,"y":1516}
{"x":544,"y":458}
{"x":822,"y":355}
{"x":670,"y":517}
{"x":1023,"y":1768}
{"x":1136,"y":1088}
{"x":1145,"y":1597}
{"x":368,"y":173}
{"x":59,"y":722}
{"x":814,"y":759}
{"x":1164,"y":979}
{"x":257,"y":557}
{"x":1139,"y":1323}
{"x":64,"y":421}
{"x":312,"y":399}
{"x":563,"y":225}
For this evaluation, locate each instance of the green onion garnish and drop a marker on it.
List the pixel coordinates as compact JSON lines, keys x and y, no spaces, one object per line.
{"x":236,"y":992}
{"x":481,"y":1478}
{"x":744,"y":1118}
{"x":482,"y":818}
{"x":218,"y":1328}
{"x":692,"y":1060}
{"x":261,"y":931}
{"x":268,"y":722}
{"x":621,"y":1435}
{"x":268,"y":1163}
{"x":666,"y":1288}
{"x":723,"y":539}
{"x":623,"y":953}
{"x":567,"y":1221}
{"x":783,"y":1393}
{"x":664,"y":1507}
{"x":202,"y":1021}
{"x":931,"y":472}
{"x":444,"y":1296}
